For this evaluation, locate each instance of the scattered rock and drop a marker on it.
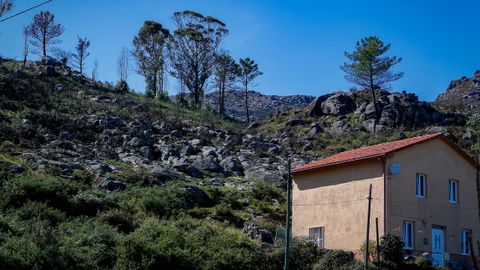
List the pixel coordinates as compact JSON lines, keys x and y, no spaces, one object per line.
{"x":295,"y":122}
{"x":111,"y":185}
{"x":254,"y":231}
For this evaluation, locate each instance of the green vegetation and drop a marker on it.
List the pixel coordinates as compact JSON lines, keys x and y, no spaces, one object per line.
{"x":50,"y":223}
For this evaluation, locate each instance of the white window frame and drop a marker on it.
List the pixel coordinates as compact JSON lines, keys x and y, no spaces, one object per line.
{"x":318,"y":235}
{"x":421,"y":181}
{"x":464,"y":241}
{"x":408,"y":239}
{"x":453,"y":186}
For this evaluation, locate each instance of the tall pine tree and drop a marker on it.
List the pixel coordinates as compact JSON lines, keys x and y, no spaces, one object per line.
{"x":370,"y":68}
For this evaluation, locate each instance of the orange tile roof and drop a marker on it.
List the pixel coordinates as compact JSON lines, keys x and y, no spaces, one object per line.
{"x":364,"y":153}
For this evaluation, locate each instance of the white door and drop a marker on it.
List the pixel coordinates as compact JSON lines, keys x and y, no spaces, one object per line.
{"x":438,"y":246}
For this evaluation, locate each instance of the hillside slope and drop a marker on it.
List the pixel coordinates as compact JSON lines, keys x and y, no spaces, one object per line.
{"x":462,"y":96}
{"x":93,"y":178}
{"x":260,"y":105}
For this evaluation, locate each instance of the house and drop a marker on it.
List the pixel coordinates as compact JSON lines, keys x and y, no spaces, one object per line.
{"x":424,"y":189}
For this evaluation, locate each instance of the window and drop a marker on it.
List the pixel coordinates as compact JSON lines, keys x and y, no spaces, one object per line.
{"x":317,"y":234}
{"x":420,"y":189}
{"x":408,"y":234}
{"x":453,"y":191}
{"x":466,"y":242}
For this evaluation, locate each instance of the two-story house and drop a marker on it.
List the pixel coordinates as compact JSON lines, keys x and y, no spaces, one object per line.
{"x":424,"y":189}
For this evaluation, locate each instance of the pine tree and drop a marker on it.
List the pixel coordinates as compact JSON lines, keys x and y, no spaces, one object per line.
{"x":370,"y":68}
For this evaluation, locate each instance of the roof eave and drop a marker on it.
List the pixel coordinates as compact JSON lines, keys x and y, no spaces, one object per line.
{"x":316,"y":168}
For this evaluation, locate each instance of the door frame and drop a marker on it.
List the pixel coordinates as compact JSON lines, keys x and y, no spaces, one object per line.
{"x":443,"y":229}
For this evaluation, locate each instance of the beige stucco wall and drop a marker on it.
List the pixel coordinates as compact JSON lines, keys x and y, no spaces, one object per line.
{"x":439,"y":162}
{"x":336,"y":198}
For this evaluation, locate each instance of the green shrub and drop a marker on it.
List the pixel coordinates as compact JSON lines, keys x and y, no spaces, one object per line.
{"x":303,"y":255}
{"x":185,"y":244}
{"x":38,"y":210}
{"x":119,"y":218}
{"x":262,"y":191}
{"x":36,"y":187}
{"x":392,"y":249}
{"x":90,"y":202}
{"x":337,"y":260}
{"x":121,"y":87}
{"x":86,"y":244}
{"x":372,"y":250}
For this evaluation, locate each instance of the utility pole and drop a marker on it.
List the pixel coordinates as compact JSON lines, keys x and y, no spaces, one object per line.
{"x":289,"y":219}
{"x":368,"y":226}
{"x":378,"y":244}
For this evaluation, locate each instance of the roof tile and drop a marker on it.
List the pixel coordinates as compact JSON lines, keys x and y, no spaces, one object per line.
{"x":364,"y":153}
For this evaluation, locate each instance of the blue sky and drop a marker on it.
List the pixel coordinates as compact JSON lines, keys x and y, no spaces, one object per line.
{"x":298,"y":45}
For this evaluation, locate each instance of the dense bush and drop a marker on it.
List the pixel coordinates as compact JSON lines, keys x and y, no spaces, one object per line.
{"x":185,"y":244}
{"x":337,"y":260}
{"x":41,"y":188}
{"x":391,"y":250}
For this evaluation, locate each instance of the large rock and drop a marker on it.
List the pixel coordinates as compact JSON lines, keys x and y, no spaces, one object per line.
{"x":339,"y":127}
{"x":315,"y":107}
{"x":185,"y":165}
{"x":372,"y":127}
{"x":207,"y":165}
{"x":295,"y":122}
{"x":272,"y":177}
{"x":232,"y":164}
{"x":391,"y":116}
{"x":338,"y":104}
{"x":163,"y":175}
{"x":314,"y":132}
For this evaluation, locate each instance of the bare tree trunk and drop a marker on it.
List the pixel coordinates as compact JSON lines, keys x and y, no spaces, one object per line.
{"x":44,"y":45}
{"x":374,"y":100}
{"x":220,"y":98}
{"x":155,"y":84}
{"x":246,"y":101}
{"x":223,"y":101}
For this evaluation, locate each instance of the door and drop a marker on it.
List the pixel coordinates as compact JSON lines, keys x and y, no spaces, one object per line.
{"x":438,"y":246}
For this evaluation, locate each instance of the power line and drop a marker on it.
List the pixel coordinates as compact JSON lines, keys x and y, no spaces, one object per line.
{"x":23,"y":11}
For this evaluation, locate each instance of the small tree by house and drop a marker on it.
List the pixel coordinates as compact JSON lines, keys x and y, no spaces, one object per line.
{"x":248,"y":72}
{"x":82,"y":53}
{"x":370,"y":68}
{"x":44,"y":31}
{"x":226,"y":72}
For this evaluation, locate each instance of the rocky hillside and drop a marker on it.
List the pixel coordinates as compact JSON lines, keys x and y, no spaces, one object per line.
{"x":345,"y":120}
{"x":462,"y":96}
{"x":95,"y":158}
{"x":90,"y":176}
{"x":260,"y":105}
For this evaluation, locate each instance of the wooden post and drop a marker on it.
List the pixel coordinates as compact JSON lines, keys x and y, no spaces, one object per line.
{"x":368,"y":226}
{"x":378,"y":244}
{"x":289,"y":214}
